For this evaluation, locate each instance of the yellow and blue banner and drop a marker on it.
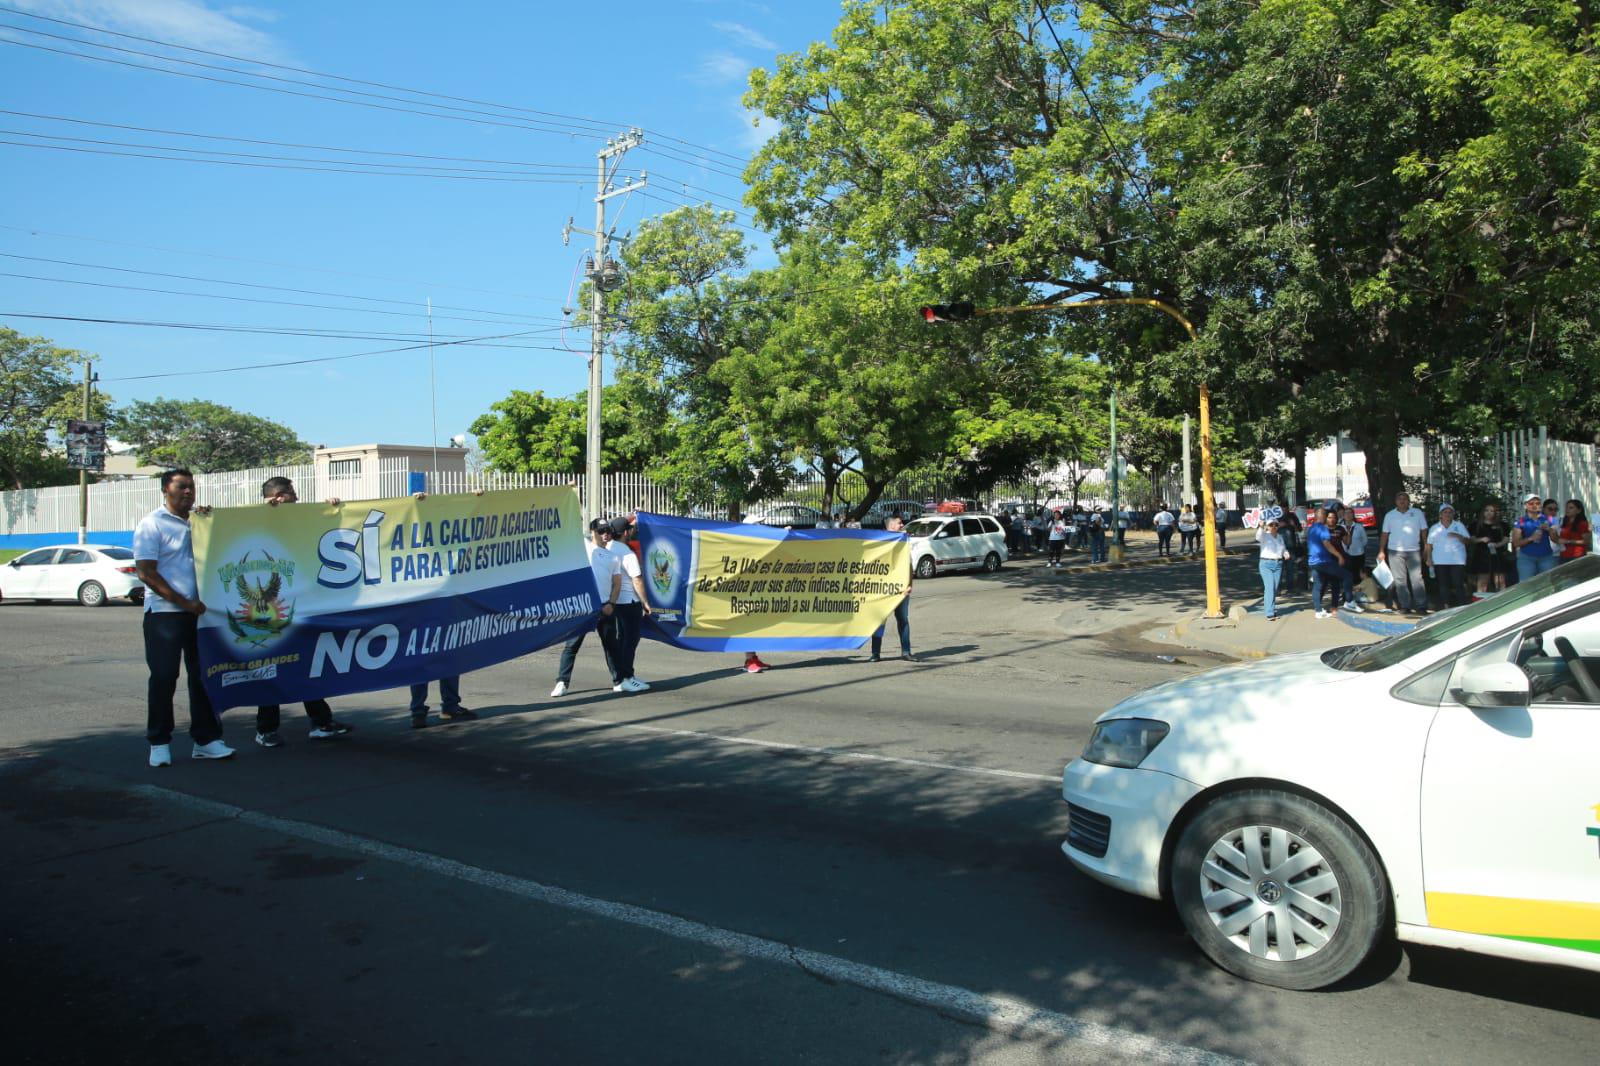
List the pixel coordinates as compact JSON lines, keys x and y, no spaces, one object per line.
{"x":311,"y":600}
{"x":723,"y":586}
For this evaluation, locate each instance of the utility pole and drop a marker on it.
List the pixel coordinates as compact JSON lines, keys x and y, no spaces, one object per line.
{"x":1116,"y":484}
{"x":604,"y":276}
{"x":1188,"y":481}
{"x":83,"y":474}
{"x":433,"y":401}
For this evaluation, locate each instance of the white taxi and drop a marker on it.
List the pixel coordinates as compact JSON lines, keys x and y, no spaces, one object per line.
{"x":1439,"y":786}
{"x":943,"y":542}
{"x":88,"y":573}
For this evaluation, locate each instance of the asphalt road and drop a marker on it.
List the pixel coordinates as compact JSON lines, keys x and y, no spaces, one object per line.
{"x":832,"y":862}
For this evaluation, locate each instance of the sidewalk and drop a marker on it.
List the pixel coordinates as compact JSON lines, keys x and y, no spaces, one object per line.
{"x":1139,"y":550}
{"x":1246,"y":633}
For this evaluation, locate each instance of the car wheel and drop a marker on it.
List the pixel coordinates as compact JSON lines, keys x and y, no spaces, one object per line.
{"x":92,"y":594}
{"x":1279,"y":889}
{"x":925,"y":567}
{"x":991,"y":563}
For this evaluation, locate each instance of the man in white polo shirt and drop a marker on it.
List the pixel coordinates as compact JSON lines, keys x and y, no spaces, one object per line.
{"x":164,"y":555}
{"x":1400,"y":546}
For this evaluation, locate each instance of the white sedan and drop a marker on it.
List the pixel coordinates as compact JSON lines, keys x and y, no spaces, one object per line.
{"x":88,"y":573}
{"x":1439,"y":786}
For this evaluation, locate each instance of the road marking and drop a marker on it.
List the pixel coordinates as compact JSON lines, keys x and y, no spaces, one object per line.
{"x":1010,"y":1016}
{"x":832,"y":753}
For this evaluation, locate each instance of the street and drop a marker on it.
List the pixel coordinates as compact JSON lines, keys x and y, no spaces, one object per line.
{"x":835,"y":861}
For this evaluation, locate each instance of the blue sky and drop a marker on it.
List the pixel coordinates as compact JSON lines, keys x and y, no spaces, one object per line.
{"x":353,"y":243}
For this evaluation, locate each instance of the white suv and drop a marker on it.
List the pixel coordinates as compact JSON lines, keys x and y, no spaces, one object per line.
{"x":943,"y":542}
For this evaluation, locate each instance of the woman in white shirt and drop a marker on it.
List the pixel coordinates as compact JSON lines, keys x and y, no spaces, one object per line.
{"x":1058,"y":538}
{"x":1188,"y":529}
{"x":1446,"y":553}
{"x":1273,"y":553}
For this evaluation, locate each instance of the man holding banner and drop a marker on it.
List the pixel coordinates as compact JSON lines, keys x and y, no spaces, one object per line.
{"x":607,"y":569}
{"x":902,"y":610}
{"x":312,"y":602}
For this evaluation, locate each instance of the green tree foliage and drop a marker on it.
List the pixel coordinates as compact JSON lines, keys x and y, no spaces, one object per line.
{"x":40,"y":388}
{"x":206,"y":436}
{"x":529,"y":432}
{"x":686,"y":307}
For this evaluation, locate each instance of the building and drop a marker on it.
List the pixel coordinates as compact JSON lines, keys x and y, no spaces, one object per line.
{"x":350,"y":462}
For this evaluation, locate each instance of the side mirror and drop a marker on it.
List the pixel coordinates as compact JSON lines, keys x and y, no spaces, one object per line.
{"x":1494,"y":685}
{"x":14,"y":564}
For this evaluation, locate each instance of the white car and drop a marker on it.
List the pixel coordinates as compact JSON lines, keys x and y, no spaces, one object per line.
{"x":88,"y":573}
{"x":880,"y":512}
{"x":1438,"y":786}
{"x":797,"y":515}
{"x":944,"y":542}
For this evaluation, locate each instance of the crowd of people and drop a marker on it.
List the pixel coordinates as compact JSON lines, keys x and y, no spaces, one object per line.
{"x":1054,"y":530}
{"x":1461,"y":559}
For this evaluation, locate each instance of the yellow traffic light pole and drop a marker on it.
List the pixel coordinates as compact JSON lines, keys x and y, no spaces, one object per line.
{"x":1208,"y":500}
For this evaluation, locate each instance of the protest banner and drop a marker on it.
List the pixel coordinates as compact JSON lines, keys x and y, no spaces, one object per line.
{"x":1260,"y":516}
{"x":312,"y":600}
{"x":722,"y":586}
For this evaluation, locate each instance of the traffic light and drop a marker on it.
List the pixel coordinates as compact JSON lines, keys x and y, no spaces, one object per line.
{"x":957,"y":312}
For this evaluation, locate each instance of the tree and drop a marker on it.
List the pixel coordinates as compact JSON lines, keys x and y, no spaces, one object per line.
{"x":687,"y":307}
{"x":204,"y":436}
{"x":38,"y":393}
{"x":529,"y":432}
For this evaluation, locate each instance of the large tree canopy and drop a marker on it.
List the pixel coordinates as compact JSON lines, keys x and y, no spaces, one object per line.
{"x":203,"y":436}
{"x":529,"y":432}
{"x":39,"y":391}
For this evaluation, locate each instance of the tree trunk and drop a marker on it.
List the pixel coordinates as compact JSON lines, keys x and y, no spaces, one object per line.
{"x":1381,"y":447}
{"x":1299,"y":472}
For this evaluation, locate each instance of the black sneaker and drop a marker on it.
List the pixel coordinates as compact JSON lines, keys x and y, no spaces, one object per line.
{"x":908,"y":657}
{"x":419,"y":721}
{"x":332,"y":729}
{"x":457,"y":714}
{"x":269,"y":740}
{"x":872,"y":658}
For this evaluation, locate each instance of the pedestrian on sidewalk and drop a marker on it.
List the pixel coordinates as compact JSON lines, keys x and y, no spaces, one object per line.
{"x":1400,"y":547}
{"x":1328,"y":564}
{"x":1165,"y":521}
{"x":1058,"y":539}
{"x":1273,"y":554}
{"x":1222,"y":526}
{"x":277,"y":492}
{"x":1488,"y":557}
{"x":1289,"y":529}
{"x":1188,"y":529}
{"x":1574,"y":532}
{"x":1355,"y":542}
{"x":1097,"y":536}
{"x":607,"y":570}
{"x":902,"y":611}
{"x":1532,"y":536}
{"x":1124,"y":518}
{"x":1041,"y":529}
{"x":163,"y":553}
{"x":1446,"y":554}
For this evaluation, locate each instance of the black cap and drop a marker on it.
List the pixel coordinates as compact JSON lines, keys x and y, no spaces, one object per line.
{"x":596,"y":525}
{"x":619,"y":526}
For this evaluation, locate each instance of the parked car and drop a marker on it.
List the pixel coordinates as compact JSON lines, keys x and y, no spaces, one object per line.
{"x":88,"y":573}
{"x":962,"y":506}
{"x":1438,"y":786}
{"x":879,"y":512}
{"x":940,"y":543}
{"x":1365,"y":512}
{"x":798,"y":515}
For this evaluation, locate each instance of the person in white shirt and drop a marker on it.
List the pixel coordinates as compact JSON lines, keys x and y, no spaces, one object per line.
{"x":632,"y":604}
{"x":1164,"y":521}
{"x":608,"y":581}
{"x":1446,"y":552}
{"x":1400,"y":547}
{"x":1273,"y":554}
{"x":1189,"y":528}
{"x":1222,"y":526}
{"x":1355,"y":543}
{"x":1058,"y":538}
{"x":164,"y":556}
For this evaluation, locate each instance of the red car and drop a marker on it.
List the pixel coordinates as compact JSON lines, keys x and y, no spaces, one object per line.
{"x":1365,"y":513}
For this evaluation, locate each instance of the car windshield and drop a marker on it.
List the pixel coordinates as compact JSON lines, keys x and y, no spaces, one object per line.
{"x":116,"y":553}
{"x":924,"y":527}
{"x":1365,"y":658}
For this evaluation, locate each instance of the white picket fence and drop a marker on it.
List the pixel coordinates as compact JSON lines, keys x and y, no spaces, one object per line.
{"x":619,"y":493}
{"x":1529,"y":461}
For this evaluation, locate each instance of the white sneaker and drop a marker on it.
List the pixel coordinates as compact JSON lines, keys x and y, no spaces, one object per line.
{"x":620,"y":686}
{"x":161,"y":755}
{"x":214,"y":750}
{"x":560,"y":689}
{"x":1322,"y":614}
{"x":1355,"y":607}
{"x":633,"y":684}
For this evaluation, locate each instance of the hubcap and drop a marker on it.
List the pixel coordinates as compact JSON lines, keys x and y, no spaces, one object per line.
{"x":1271,"y":893}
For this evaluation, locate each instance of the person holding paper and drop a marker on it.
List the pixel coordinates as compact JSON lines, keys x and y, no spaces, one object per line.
{"x":1400,"y":547}
{"x":1273,"y":554}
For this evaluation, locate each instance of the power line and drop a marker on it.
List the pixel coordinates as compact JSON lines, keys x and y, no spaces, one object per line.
{"x":604,"y":126}
{"x":284,"y":331}
{"x":259,"y":300}
{"x":274,"y":263}
{"x":272,"y":288}
{"x":1072,"y":71}
{"x":345,"y":167}
{"x":565,"y":167}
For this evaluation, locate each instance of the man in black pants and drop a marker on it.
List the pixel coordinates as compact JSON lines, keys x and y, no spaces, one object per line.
{"x":608,"y":581}
{"x":902,"y":610}
{"x":164,"y":555}
{"x":632,"y":606}
{"x":276,"y":491}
